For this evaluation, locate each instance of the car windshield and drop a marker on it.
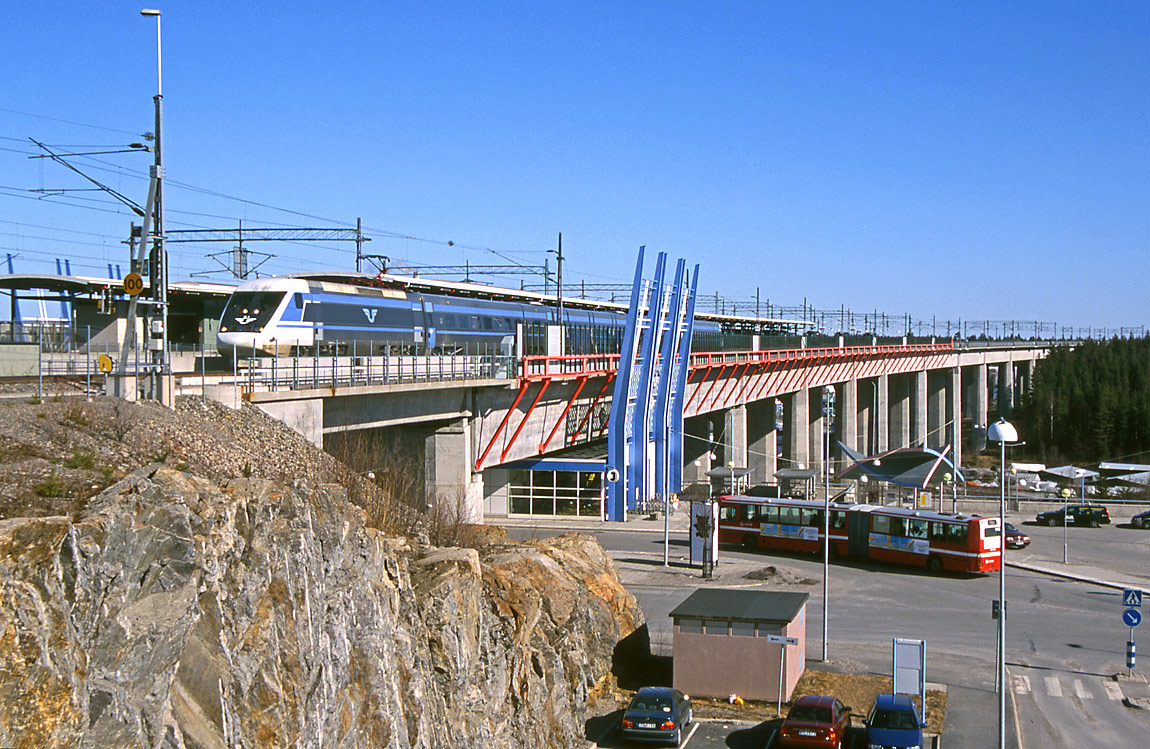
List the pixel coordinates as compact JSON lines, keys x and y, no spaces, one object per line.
{"x":810,"y":713}
{"x":899,"y":720}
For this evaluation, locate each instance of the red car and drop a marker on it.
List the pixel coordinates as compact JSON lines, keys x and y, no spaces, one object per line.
{"x":815,"y":721}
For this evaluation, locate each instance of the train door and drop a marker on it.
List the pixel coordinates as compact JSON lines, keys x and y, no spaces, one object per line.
{"x":858,"y":534}
{"x":424,"y":324}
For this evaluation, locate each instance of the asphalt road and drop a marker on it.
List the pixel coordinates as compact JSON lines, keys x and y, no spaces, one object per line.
{"x":1065,"y":638}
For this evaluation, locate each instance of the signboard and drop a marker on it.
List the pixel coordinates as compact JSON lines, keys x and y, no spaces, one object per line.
{"x":781,"y":640}
{"x":910,"y":667}
{"x":704,"y":531}
{"x":133,"y":284}
{"x":1132,"y":598}
{"x":104,"y":363}
{"x":612,"y":474}
{"x":1131,"y":617}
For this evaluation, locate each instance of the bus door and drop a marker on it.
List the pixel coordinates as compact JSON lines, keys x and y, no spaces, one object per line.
{"x":858,"y":534}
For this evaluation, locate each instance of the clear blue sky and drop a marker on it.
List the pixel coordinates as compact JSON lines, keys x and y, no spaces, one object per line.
{"x":962,"y":160}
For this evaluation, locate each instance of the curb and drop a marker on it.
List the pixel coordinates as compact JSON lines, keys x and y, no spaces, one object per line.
{"x":1072,"y":576}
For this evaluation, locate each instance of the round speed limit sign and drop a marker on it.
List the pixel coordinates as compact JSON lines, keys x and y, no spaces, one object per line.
{"x":133,"y":284}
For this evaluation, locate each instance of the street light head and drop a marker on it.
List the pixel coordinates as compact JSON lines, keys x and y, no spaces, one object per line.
{"x":149,"y":12}
{"x":947,"y":477}
{"x":1002,"y":431}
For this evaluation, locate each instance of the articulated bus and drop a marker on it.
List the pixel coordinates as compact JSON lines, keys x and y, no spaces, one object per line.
{"x":935,"y":540}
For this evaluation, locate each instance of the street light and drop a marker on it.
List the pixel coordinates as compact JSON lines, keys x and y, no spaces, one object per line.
{"x":1002,"y":431}
{"x":828,"y":415}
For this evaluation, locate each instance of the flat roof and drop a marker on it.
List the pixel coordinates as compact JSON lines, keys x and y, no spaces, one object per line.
{"x":741,"y":605}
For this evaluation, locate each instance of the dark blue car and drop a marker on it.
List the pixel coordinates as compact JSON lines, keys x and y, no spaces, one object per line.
{"x":894,"y":723}
{"x":657,"y":714}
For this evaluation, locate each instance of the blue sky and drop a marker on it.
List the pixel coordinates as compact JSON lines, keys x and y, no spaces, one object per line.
{"x":957,"y":160}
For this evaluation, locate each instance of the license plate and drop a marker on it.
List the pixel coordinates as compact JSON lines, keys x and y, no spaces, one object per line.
{"x":806,"y":732}
{"x":645,"y":725}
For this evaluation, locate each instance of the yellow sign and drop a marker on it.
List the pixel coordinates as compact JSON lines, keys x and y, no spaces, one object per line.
{"x":133,"y":284}
{"x":104,"y":363}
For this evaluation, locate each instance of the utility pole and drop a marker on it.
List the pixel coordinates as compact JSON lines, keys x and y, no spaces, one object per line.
{"x":159,"y":264}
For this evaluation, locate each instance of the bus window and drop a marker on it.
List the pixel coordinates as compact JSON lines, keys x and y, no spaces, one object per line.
{"x":898,"y":526}
{"x":838,"y":519}
{"x":727,"y":513}
{"x":915,"y":528}
{"x":812,"y":518}
{"x":752,"y":512}
{"x":880,"y":524}
{"x":956,"y":533}
{"x":769,"y":515}
{"x":790,"y":515}
{"x":937,"y":531}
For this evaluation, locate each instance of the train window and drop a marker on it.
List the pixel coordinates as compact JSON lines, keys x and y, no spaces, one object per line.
{"x":298,"y":299}
{"x":487,"y":323}
{"x":475,"y":322}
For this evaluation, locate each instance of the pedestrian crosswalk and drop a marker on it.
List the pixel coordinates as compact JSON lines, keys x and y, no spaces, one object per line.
{"x":1067,"y":686}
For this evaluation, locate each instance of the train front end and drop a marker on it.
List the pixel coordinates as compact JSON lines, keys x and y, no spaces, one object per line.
{"x":254,"y":320}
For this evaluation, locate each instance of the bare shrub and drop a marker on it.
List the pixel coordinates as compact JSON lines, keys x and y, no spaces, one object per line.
{"x":449,"y":519}
{"x":383,"y":475}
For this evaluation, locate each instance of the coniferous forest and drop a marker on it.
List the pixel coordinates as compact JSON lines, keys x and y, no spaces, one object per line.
{"x":1089,"y":403}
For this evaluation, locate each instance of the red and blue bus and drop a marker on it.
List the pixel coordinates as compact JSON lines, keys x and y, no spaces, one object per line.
{"x":921,"y":538}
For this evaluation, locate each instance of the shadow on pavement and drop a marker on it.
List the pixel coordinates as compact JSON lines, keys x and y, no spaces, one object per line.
{"x":755,"y":737}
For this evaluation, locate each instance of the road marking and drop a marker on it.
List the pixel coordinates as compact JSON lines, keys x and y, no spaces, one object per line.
{"x":1053,"y":688}
{"x":1022,"y":683}
{"x":1082,"y":692}
{"x":1113,"y":691}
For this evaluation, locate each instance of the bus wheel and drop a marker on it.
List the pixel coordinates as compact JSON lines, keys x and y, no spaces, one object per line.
{"x":749,"y":542}
{"x":934,"y":564}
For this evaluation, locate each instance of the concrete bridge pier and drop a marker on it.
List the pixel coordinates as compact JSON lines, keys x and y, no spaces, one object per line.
{"x":899,"y":398}
{"x":796,"y":444}
{"x":762,"y":441}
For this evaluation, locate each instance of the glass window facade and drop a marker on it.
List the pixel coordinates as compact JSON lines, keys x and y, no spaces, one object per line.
{"x":560,"y":493}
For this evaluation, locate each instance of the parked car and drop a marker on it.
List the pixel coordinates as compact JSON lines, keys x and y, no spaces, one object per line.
{"x":894,"y":723}
{"x":657,"y":714}
{"x":815,"y":721}
{"x":1091,"y":515}
{"x":1016,"y":539}
{"x":1141,"y":520}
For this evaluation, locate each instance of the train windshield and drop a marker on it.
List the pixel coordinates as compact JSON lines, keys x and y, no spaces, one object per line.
{"x":250,"y":311}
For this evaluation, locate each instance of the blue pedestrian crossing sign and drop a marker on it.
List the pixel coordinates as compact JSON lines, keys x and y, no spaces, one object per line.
{"x":1132,"y":598}
{"x":1131,"y":617}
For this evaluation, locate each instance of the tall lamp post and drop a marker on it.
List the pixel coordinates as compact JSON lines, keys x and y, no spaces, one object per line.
{"x":946,"y":479}
{"x":828,"y":414}
{"x":160,"y":263}
{"x":1002,"y":431}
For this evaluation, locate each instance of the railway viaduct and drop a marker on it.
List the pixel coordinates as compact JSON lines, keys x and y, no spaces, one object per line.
{"x":483,"y":425}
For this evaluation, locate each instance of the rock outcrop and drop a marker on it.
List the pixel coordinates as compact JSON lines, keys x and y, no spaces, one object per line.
{"x":179,"y":612}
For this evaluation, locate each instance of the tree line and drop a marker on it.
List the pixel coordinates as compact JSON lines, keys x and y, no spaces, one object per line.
{"x":1089,"y":403}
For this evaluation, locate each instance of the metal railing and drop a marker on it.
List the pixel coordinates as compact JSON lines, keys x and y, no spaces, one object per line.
{"x":271,"y":374}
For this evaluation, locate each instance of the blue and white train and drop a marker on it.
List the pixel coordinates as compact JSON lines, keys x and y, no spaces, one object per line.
{"x":345,"y":313}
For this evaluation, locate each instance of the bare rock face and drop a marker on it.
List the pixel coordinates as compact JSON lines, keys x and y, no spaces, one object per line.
{"x":180,"y":613}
